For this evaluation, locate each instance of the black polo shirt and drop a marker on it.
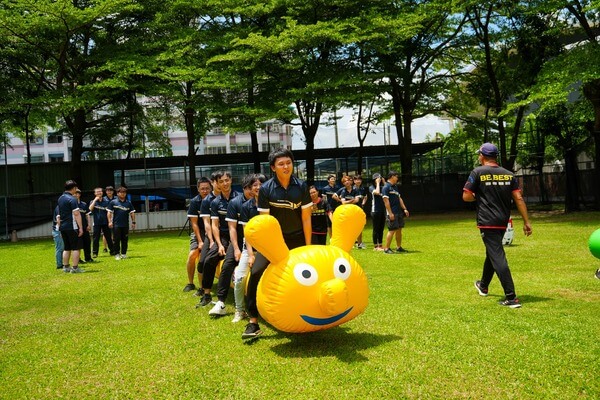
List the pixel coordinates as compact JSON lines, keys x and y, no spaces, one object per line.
{"x":194,"y":211}
{"x":234,"y":212}
{"x":285,"y":204}
{"x":393,"y":195}
{"x":493,"y":187}
{"x":320,"y":215}
{"x":329,"y":191}
{"x":249,"y":210}
{"x":350,"y":195}
{"x":218,"y":210}
{"x":67,"y":203}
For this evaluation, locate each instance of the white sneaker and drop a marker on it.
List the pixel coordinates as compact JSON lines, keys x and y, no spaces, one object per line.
{"x":239,"y":315}
{"x":218,"y":309}
{"x":118,"y":257}
{"x":123,"y":256}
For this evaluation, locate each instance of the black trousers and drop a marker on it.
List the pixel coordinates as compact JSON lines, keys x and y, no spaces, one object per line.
{"x":258,"y":269}
{"x":104,"y":229}
{"x":378,"y":219}
{"x":203,"y":254}
{"x":495,"y":261}
{"x":86,"y":243}
{"x":121,"y":239}
{"x":226,"y":273}
{"x":211,"y":261}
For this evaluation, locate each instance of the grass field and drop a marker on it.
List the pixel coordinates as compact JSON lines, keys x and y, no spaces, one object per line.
{"x":125,"y":329}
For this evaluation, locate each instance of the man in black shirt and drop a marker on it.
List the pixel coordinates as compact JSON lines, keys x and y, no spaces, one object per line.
{"x":286,"y":198}
{"x":492,"y":188}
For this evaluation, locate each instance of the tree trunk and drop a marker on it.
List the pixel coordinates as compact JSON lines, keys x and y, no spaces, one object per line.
{"x":253,"y":133}
{"x":77,"y":125}
{"x":28,"y":147}
{"x":591,"y":92}
{"x":572,"y":194}
{"x":189,"y":114}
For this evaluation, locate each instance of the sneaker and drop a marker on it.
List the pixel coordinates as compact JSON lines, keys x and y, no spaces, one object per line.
{"x":361,"y":246}
{"x":483,"y":291}
{"x":66,"y":269}
{"x":206,"y":300}
{"x":77,"y":270}
{"x":105,"y":250}
{"x":514,"y":303}
{"x":117,"y":257}
{"x":95,"y":255}
{"x":123,"y":256}
{"x":218,"y":309}
{"x":199,"y":292}
{"x":91,"y":260}
{"x":388,"y":251}
{"x":252,"y":331}
{"x":59,"y":267}
{"x":239,"y":315}
{"x":401,"y":250}
{"x":597,"y":275}
{"x":189,"y":287}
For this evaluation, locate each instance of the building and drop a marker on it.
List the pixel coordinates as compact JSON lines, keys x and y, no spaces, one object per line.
{"x":53,"y":147}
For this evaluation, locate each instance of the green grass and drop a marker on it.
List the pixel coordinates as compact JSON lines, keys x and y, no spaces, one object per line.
{"x":126,"y":330}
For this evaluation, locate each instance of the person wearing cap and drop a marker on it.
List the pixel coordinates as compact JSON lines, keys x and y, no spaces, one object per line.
{"x":85,"y":242}
{"x":492,"y":188}
{"x":98,"y":211}
{"x":119,"y":210}
{"x":70,"y":227}
{"x":377,"y":211}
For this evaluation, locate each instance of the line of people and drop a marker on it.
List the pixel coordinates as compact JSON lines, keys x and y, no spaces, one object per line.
{"x":218,"y":215}
{"x":73,"y":220}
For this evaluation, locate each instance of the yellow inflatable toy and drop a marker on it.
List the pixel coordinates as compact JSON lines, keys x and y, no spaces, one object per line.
{"x":310,"y":288}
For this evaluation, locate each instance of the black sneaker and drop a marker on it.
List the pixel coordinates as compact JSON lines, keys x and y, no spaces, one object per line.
{"x":597,"y":275}
{"x":106,"y":251}
{"x":483,"y":291}
{"x":189,"y":287}
{"x":514,"y":303}
{"x":199,"y":292}
{"x":206,"y":300}
{"x":401,"y":250}
{"x":252,"y":331}
{"x":388,"y":251}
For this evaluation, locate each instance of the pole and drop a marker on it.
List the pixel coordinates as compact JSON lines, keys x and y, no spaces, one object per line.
{"x":147,"y":201}
{"x":6,"y":188}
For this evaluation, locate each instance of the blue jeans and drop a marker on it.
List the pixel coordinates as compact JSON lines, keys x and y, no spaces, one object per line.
{"x":59,"y":246}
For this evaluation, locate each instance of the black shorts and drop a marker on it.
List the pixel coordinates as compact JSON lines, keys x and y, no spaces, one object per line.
{"x":71,"y":240}
{"x":397,"y":223}
{"x":193,"y":242}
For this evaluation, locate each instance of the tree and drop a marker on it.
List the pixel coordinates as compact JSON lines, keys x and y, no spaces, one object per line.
{"x":574,"y":72}
{"x":83,"y":56}
{"x":414,"y":49}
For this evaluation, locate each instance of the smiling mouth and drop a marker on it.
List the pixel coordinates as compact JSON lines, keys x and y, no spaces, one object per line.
{"x":325,"y":321}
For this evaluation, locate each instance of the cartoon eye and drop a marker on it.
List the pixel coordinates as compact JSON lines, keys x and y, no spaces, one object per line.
{"x":341,"y":269}
{"x":306,"y":274}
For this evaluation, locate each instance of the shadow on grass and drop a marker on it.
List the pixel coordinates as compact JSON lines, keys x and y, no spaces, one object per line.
{"x":533,"y":299}
{"x":338,"y":342}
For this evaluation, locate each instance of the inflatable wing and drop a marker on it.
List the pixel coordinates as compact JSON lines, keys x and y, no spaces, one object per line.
{"x":310,"y":288}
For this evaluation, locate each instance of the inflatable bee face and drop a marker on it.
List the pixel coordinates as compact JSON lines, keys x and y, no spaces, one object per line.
{"x":310,"y":288}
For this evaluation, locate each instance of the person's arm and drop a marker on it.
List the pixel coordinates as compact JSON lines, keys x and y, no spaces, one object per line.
{"x":404,"y":207}
{"x":388,"y":208}
{"x":196,"y":230}
{"x":233,"y":239}
{"x":208,"y":230}
{"x":307,"y":224}
{"x":89,"y":220}
{"x":522,"y":208}
{"x":468,"y":196}
{"x":217,"y":235}
{"x":77,"y":216}
{"x":133,"y":223}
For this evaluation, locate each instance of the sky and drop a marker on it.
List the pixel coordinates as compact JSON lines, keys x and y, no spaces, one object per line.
{"x":325,"y":138}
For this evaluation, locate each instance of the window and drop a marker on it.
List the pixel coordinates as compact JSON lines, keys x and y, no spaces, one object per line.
{"x":35,"y":158}
{"x":56,"y":157}
{"x":216,"y":150}
{"x":36,"y":140}
{"x":54,"y":137}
